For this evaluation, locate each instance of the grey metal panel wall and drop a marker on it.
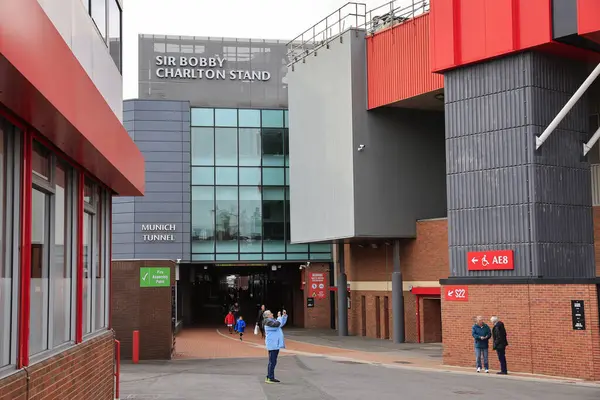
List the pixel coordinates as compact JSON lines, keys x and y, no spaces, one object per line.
{"x":502,"y":194}
{"x":239,"y":54}
{"x":321,"y":145}
{"x":161,"y":129}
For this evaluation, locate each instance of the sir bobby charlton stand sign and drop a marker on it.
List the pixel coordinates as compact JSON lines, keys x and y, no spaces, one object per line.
{"x":212,"y":68}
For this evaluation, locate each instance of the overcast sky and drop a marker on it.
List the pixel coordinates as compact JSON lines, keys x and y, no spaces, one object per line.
{"x":260,"y":19}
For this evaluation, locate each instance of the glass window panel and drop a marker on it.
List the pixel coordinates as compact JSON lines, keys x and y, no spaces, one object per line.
{"x":227,"y":176}
{"x":227,"y":257}
{"x":273,"y":177}
{"x":98,"y":11}
{"x":203,"y":176}
{"x":203,"y":146}
{"x":40,"y":161}
{"x":274,"y":257}
{"x":250,"y":146}
{"x":297,"y":256}
{"x":320,"y":247}
{"x":38,"y":332}
{"x":272,"y":118}
{"x":203,"y":117}
{"x":250,"y":220}
{"x":203,"y":219}
{"x":6,"y":275}
{"x":60,"y":269}
{"x":273,"y":220}
{"x":250,"y":176}
{"x":88,"y":221}
{"x":297,"y":248}
{"x":251,"y":257}
{"x":249,"y":118}
{"x":114,"y":32}
{"x":272,"y":147}
{"x":227,"y":219}
{"x":203,"y":257}
{"x":226,"y":117}
{"x":320,"y":256}
{"x":286,"y":146}
{"x":286,"y":118}
{"x":226,"y":149}
{"x":99,"y":276}
{"x":287,"y":177}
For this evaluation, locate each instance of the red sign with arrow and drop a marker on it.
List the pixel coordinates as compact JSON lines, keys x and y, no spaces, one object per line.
{"x":490,"y":260}
{"x":456,"y":293}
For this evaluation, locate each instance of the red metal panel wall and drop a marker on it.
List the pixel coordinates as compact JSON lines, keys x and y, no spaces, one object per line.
{"x":398,"y":63}
{"x":588,"y":19}
{"x":467,"y":31}
{"x":43,"y":83}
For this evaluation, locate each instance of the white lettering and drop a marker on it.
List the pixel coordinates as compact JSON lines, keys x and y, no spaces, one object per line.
{"x":183,"y":62}
{"x":216,"y":72}
{"x":256,"y":76}
{"x":212,"y":62}
{"x":232,"y":75}
{"x":247,"y":76}
{"x":178,"y":73}
{"x":169,"y":72}
{"x":171,"y":61}
{"x":220,"y":74}
{"x":193,"y":61}
{"x":160,"y":72}
{"x":221,"y":61}
{"x":187,"y":73}
{"x":159,"y":60}
{"x":210,"y":73}
{"x":266,"y":75}
{"x":203,"y":62}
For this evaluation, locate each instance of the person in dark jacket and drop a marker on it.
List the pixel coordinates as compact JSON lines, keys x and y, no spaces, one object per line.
{"x":500,"y":343}
{"x":259,"y":321}
{"x":482,"y":334}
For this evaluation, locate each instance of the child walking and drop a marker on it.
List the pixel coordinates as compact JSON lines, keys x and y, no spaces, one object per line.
{"x":240,"y":326}
{"x":229,"y":321}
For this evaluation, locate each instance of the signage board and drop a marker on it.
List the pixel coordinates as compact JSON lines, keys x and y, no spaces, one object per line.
{"x":578,"y":315}
{"x":317,"y":285}
{"x":456,"y":293}
{"x":490,"y":260}
{"x":310,"y":302}
{"x":158,"y":232}
{"x":211,"y":68}
{"x":155,"y":277}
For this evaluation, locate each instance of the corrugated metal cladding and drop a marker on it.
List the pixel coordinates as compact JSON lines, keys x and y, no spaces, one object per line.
{"x":398,"y":63}
{"x":502,"y":193}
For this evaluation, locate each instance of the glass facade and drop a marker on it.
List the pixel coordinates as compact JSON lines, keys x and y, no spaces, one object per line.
{"x":240,"y":187}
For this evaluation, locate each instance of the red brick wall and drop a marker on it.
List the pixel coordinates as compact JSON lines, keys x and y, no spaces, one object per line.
{"x":539,"y":326}
{"x":82,"y":372}
{"x":147,"y":310}
{"x":319,"y":316}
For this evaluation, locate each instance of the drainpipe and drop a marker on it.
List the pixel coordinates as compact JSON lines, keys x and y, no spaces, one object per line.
{"x":397,"y":296}
{"x":342,"y":292}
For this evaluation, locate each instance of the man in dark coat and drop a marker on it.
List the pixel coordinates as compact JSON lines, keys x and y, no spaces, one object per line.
{"x":500,"y":343}
{"x":259,"y":321}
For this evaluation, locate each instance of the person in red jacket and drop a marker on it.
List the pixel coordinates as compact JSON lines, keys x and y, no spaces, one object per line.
{"x":229,"y":321}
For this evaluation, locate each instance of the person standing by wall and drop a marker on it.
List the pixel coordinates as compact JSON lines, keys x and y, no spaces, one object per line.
{"x":500,"y":343}
{"x":259,"y":321}
{"x":482,"y":334}
{"x":274,"y":340}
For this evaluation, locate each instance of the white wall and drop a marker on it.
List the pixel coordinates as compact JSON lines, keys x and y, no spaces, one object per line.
{"x":79,"y":31}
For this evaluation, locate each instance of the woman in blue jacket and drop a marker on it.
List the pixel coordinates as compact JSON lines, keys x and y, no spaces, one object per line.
{"x":274,"y":340}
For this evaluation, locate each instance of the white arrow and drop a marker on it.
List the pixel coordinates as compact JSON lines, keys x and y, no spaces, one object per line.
{"x":474,"y":260}
{"x":450,"y":293}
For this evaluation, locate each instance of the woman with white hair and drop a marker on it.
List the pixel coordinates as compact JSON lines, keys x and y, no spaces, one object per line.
{"x":274,"y":340}
{"x":500,"y":343}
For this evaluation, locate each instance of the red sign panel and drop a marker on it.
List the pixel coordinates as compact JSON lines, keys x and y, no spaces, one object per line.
{"x":456,"y":293}
{"x":490,"y":260}
{"x":317,"y":285}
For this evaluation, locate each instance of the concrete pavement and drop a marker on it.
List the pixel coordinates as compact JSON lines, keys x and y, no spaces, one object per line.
{"x":320,"y":378}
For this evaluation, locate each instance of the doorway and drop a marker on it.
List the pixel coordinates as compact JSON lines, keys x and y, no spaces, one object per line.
{"x":432,"y":320}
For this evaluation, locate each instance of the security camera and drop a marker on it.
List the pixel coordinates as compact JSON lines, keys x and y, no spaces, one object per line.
{"x":308,"y":264}
{"x":361,"y":147}
{"x":178,"y":260}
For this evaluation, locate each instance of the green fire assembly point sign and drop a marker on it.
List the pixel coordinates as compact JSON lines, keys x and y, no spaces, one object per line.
{"x":155,"y":277}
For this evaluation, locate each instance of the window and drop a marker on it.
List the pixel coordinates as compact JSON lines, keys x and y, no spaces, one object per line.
{"x":100,"y":274}
{"x":250,"y":220}
{"x":114,"y":32}
{"x":272,"y":147}
{"x":98,"y":12}
{"x":52,"y":253}
{"x":203,"y":146}
{"x":226,"y":150}
{"x":203,"y":220}
{"x":227,"y":219}
{"x":250,"y":146}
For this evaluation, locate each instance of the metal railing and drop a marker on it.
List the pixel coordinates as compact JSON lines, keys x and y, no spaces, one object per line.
{"x":353,"y":15}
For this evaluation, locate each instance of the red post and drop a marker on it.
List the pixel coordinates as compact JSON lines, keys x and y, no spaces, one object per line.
{"x":117,"y":368}
{"x":136,"y":347}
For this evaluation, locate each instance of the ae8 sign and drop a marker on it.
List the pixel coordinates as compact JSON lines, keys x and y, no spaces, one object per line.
{"x":490,"y":260}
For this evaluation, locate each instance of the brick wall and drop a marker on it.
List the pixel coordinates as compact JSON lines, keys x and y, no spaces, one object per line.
{"x":145,"y":309}
{"x":82,"y":372}
{"x":539,"y":326}
{"x":319,"y":316}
